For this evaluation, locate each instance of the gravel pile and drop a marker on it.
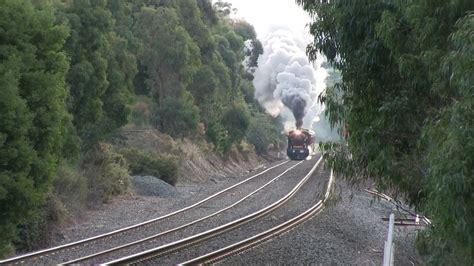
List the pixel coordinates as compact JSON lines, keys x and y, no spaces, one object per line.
{"x":153,"y":186}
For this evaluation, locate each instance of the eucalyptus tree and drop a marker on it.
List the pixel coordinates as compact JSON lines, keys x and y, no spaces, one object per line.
{"x":405,"y":101}
{"x":33,"y":113}
{"x":168,"y":52}
{"x":90,"y":23}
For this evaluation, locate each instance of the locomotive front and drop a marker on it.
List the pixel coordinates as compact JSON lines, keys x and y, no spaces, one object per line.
{"x":299,"y":144}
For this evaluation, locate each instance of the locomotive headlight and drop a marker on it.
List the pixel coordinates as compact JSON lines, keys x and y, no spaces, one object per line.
{"x":297,"y":132}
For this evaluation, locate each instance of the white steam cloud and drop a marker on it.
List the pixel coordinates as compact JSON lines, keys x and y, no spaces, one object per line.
{"x":286,"y":82}
{"x":282,"y":32}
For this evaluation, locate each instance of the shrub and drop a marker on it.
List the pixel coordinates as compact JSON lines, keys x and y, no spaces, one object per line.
{"x":35,"y":233}
{"x":106,"y":173}
{"x":71,"y":187}
{"x":219,"y":136}
{"x":177,"y":116}
{"x":262,"y":132}
{"x":236,"y":120}
{"x":142,"y":163}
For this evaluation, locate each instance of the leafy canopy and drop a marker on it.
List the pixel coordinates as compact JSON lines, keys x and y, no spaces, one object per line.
{"x":405,"y":100}
{"x":32,"y":110}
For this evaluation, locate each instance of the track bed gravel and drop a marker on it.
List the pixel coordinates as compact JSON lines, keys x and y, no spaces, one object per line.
{"x":350,"y":232}
{"x":128,"y":210}
{"x":302,"y":200}
{"x":263,"y":197}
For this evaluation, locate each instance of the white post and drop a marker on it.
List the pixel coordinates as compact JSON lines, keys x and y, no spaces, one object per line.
{"x":389,"y":246}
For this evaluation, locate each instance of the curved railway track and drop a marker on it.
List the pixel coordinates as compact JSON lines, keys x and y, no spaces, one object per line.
{"x":88,"y":259}
{"x":33,"y":257}
{"x":152,"y":254}
{"x":248,"y":243}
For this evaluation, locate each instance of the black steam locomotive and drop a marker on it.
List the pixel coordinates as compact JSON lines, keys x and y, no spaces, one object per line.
{"x":300,"y":143}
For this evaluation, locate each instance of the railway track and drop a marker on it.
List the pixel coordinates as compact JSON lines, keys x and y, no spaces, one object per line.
{"x":150,"y":256}
{"x":39,"y":256}
{"x":94,"y":258}
{"x":250,"y":242}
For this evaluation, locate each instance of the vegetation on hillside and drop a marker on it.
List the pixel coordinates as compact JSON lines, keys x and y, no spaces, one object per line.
{"x":32,"y":111}
{"x":75,"y":72}
{"x":407,"y":107}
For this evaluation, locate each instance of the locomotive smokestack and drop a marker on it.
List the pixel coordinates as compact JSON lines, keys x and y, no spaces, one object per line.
{"x":299,"y":123}
{"x":297,"y":106}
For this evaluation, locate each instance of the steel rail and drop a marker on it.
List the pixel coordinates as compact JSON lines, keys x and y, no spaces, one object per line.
{"x":73,"y":245}
{"x":264,"y":236}
{"x":183,"y":243}
{"x":153,"y":237}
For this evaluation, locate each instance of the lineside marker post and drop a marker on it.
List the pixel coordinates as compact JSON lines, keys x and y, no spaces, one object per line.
{"x":389,"y":248}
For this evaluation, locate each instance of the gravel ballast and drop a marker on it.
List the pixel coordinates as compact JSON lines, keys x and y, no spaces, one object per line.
{"x":124,"y":212}
{"x":350,"y":232}
{"x":304,"y":198}
{"x":153,"y":186}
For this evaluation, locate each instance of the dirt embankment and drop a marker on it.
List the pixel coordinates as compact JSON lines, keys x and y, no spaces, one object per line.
{"x":198,"y":160}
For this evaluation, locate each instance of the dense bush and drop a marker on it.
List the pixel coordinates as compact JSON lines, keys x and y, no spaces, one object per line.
{"x":219,"y":136}
{"x":33,"y":113}
{"x":106,"y":172}
{"x":406,"y":102}
{"x":263,"y":132}
{"x":35,"y":233}
{"x":103,"y":175}
{"x":177,"y":116}
{"x":69,"y":71}
{"x":236,"y":120}
{"x":141,"y":163}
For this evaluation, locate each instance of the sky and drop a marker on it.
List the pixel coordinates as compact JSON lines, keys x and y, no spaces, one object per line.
{"x":265,"y":15}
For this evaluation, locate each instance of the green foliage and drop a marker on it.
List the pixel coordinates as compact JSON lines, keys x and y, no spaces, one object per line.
{"x":177,"y":116}
{"x":34,"y":232}
{"x":169,"y":54}
{"x":16,"y":156}
{"x":256,"y":52}
{"x":106,"y":172}
{"x":71,"y":187}
{"x":121,"y":70}
{"x":32,"y":110}
{"x":208,"y":13}
{"x":223,"y":8}
{"x":92,"y":58}
{"x":230,"y":47}
{"x":190,"y":60}
{"x":450,"y":160}
{"x":264,"y":131}
{"x":406,"y":101}
{"x":90,"y":25}
{"x":141,"y":163}
{"x":245,"y":30}
{"x":102,"y":68}
{"x":218,"y":135}
{"x":192,"y":21}
{"x":248,"y":91}
{"x":204,"y":85}
{"x":236,"y":120}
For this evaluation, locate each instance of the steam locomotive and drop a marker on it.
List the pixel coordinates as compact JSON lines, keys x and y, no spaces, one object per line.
{"x":300,"y":142}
